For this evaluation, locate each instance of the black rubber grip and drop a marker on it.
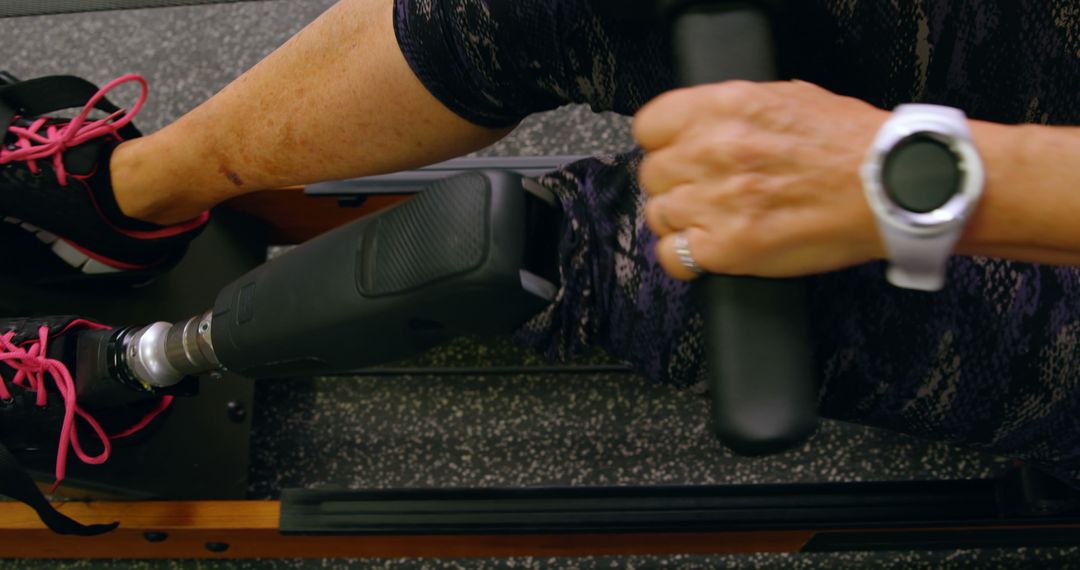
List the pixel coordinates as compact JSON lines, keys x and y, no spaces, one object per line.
{"x":761,"y":373}
{"x":427,"y":239}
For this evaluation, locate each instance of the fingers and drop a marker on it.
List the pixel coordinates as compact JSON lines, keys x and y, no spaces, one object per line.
{"x":661,"y":120}
{"x":674,"y":210}
{"x":663,"y":169}
{"x":656,"y":217}
{"x":721,"y":151}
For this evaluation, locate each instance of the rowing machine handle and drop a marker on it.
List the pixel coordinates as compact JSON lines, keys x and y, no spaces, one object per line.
{"x":761,"y":373}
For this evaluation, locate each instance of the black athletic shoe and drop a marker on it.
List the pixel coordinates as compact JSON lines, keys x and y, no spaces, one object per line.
{"x":40,"y":408}
{"x":56,"y":188}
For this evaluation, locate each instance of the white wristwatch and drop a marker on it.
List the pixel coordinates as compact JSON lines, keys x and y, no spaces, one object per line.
{"x":923,"y":179}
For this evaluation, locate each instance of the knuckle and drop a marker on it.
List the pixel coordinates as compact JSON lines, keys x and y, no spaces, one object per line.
{"x":736,"y":95}
{"x":746,"y":153}
{"x":753,"y":192}
{"x":723,"y":147}
{"x":736,"y":89}
{"x":746,"y":149}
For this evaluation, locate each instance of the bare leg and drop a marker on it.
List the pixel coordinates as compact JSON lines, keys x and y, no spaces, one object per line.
{"x":337,"y":100}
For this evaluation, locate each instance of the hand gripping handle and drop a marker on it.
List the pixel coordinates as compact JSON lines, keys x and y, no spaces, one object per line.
{"x":761,"y":372}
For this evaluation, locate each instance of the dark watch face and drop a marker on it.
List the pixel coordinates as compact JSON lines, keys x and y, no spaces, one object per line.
{"x":921,"y":173}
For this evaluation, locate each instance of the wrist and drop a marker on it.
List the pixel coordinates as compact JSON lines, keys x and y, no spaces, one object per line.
{"x":998,"y":222}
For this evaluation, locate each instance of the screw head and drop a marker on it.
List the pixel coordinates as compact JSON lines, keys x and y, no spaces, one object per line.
{"x":153,"y":536}
{"x":236,"y":411}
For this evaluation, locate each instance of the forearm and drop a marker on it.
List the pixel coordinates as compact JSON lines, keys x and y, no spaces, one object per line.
{"x":338,"y":100}
{"x":1030,"y":209}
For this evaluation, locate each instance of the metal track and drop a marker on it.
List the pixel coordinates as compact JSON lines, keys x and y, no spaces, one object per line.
{"x":823,"y":517}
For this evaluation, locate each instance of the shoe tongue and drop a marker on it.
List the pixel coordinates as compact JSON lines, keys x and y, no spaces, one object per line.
{"x":80,"y":160}
{"x":26,"y":329}
{"x":10,"y":137}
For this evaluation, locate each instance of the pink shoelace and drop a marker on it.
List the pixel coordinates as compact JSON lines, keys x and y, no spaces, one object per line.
{"x":31,"y":368}
{"x":45,"y":139}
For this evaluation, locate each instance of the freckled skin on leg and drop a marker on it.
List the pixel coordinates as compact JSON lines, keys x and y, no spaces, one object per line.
{"x":338,"y":100}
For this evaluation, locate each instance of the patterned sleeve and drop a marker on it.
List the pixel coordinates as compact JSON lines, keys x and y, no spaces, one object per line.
{"x":493,"y":62}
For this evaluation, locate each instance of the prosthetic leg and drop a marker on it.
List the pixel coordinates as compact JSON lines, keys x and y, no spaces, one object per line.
{"x":473,"y":254}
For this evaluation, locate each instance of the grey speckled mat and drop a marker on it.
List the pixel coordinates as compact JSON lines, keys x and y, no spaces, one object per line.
{"x":482,"y":429}
{"x":12,"y":8}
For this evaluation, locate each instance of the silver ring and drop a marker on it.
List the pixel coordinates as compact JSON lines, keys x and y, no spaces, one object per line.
{"x":682,"y":249}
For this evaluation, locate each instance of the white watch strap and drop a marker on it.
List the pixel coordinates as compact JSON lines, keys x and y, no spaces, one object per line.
{"x":955,"y":118}
{"x":918,"y":262}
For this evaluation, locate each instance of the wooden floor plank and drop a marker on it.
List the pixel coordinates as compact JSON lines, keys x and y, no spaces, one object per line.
{"x":249,"y":529}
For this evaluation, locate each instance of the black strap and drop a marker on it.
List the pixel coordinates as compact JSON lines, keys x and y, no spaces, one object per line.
{"x":17,"y":484}
{"x":44,"y":95}
{"x":6,"y":112}
{"x":36,"y":97}
{"x":6,"y":115}
{"x":7,"y":78}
